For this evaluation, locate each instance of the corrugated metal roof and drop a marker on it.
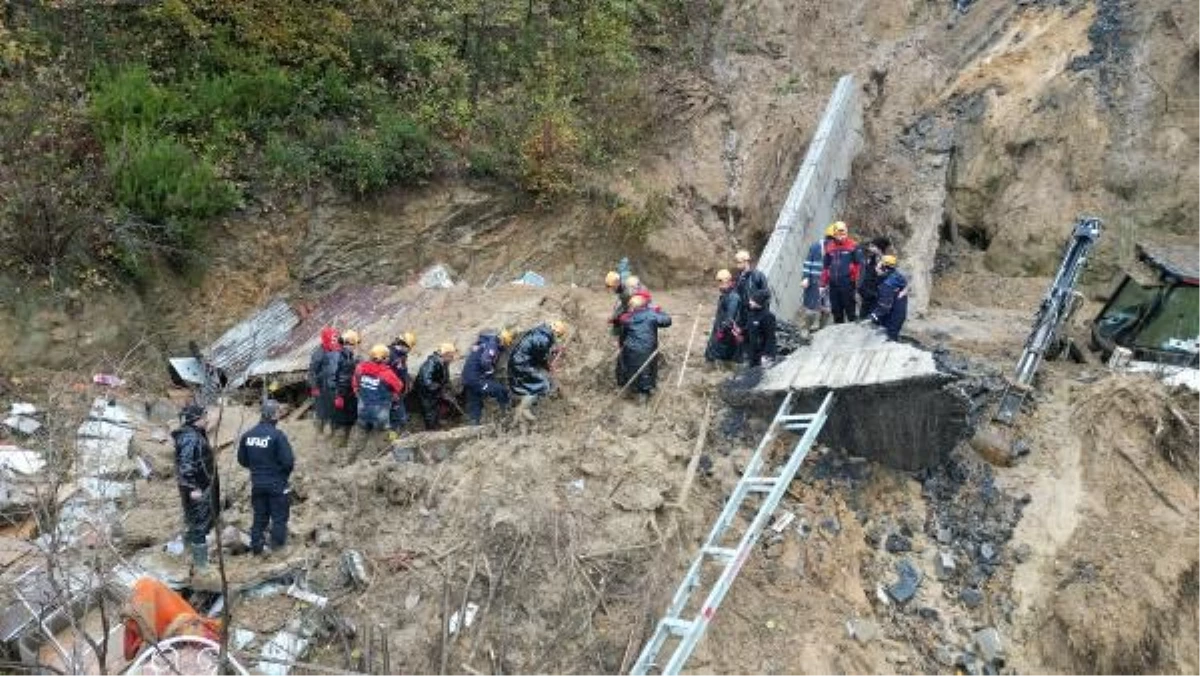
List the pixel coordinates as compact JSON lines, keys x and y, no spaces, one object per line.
{"x":278,"y":340}
{"x":1180,"y":261}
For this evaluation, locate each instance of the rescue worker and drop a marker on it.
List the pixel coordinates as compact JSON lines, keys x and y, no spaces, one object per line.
{"x":322,"y":372}
{"x":868,"y":286}
{"x":615,"y":283}
{"x":842,"y":265}
{"x":815,"y":300}
{"x":433,"y":384}
{"x":398,"y":360}
{"x":267,"y":453}
{"x":760,"y":331}
{"x":639,"y":343}
{"x":199,"y":490}
{"x":479,"y":373}
{"x":345,"y":404}
{"x":750,"y":280}
{"x":725,"y":338}
{"x":155,"y":613}
{"x":529,"y":366}
{"x":892,"y":308}
{"x":377,"y":387}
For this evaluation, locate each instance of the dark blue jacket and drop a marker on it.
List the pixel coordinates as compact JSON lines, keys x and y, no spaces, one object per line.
{"x":433,"y":378}
{"x":398,"y":360}
{"x":529,"y":360}
{"x":814,"y":263}
{"x":266,"y":452}
{"x":480,"y":366}
{"x":639,"y":331}
{"x":750,"y":282}
{"x":893,"y":296}
{"x":193,"y":458}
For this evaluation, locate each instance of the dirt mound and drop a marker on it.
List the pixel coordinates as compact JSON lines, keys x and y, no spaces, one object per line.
{"x":1126,"y":599}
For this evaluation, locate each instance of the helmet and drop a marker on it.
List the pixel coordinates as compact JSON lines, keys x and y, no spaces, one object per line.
{"x":723,"y":276}
{"x":559,"y":327}
{"x":742,"y":256}
{"x":638,"y":300}
{"x":612,"y":279}
{"x":506,"y":337}
{"x":888,"y":261}
{"x":191,"y":413}
{"x":447,"y":349}
{"x":350,"y":337}
{"x":408,"y":338}
{"x":379,"y":352}
{"x":839,"y":227}
{"x":830,"y":229}
{"x":632,"y":282}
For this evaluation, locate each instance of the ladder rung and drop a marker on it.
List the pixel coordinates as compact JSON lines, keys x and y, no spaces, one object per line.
{"x":807,"y":417}
{"x":762,"y":484}
{"x":677,"y":626}
{"x":726,"y":554}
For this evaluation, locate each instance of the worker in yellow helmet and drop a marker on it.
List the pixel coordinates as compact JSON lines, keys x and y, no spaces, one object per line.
{"x":433,"y":385}
{"x":639,"y":345}
{"x":750,"y":282}
{"x":398,"y":352}
{"x":892,"y":308}
{"x":868,"y":281}
{"x":376,"y":385}
{"x":529,"y":367}
{"x":479,"y":373}
{"x":724,"y":340}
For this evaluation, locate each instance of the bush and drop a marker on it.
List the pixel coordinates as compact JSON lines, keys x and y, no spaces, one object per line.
{"x":290,"y":162}
{"x":406,"y":148}
{"x":356,"y":165}
{"x":128,"y":101}
{"x":161,"y":181}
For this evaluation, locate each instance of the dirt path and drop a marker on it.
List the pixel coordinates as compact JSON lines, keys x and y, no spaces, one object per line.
{"x":1053,"y":478}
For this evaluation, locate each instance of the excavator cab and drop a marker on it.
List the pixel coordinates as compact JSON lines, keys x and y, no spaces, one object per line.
{"x":1155,"y":310}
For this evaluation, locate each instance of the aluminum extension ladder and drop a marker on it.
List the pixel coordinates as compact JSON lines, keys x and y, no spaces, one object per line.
{"x":687,"y":632}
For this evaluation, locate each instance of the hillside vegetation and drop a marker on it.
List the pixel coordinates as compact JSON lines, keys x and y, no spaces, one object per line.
{"x":126,"y":127}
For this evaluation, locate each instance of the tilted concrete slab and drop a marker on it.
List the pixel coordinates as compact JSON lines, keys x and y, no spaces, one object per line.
{"x":893,"y":403}
{"x":849,"y":355}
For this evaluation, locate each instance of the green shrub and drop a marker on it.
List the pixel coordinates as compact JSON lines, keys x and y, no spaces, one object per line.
{"x":406,"y":147}
{"x":356,"y":164}
{"x":128,"y":101}
{"x":161,"y":181}
{"x":290,"y":162}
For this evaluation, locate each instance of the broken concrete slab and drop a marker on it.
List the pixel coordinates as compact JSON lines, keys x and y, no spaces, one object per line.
{"x":21,"y":461}
{"x":944,"y":565}
{"x":23,"y":424}
{"x":988,"y":645}
{"x":916,"y":414}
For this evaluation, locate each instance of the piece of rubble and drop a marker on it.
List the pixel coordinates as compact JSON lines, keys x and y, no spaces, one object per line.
{"x":971,"y":597}
{"x":897,"y":544}
{"x":530,"y":278}
{"x":307,"y":596}
{"x":861,"y":630}
{"x":782,"y":521}
{"x":21,"y":461}
{"x":283,"y":650}
{"x":944,"y":565}
{"x":436,"y":277}
{"x":23,"y":408}
{"x":355,"y":566}
{"x":909,"y":578}
{"x":987,"y":552}
{"x":989,"y":646}
{"x":23,"y":424}
{"x":466,"y":621}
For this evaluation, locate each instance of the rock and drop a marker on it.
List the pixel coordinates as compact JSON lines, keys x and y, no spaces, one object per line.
{"x":436,"y":277}
{"x":928,"y":613}
{"x":987,"y":552}
{"x":944,"y":655}
{"x":897,"y":544}
{"x":832,"y":525}
{"x":861,"y":630}
{"x":944,"y":535}
{"x":909,"y":579}
{"x":1022,"y":552}
{"x":971,"y":597}
{"x":944,"y":565}
{"x":988,"y":645}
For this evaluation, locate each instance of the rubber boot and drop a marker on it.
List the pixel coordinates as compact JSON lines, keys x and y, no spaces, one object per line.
{"x":203,"y":577}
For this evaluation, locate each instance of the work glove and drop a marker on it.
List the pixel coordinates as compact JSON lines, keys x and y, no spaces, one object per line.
{"x":196,"y":495}
{"x":315,"y":392}
{"x":339,"y":403}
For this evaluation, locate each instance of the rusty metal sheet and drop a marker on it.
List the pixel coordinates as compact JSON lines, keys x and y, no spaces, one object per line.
{"x":278,"y":340}
{"x":1179,"y":261}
